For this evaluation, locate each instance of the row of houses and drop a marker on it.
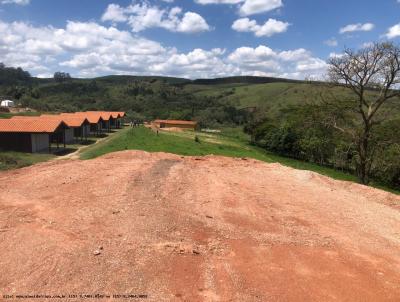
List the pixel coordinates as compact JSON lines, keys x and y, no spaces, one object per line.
{"x":39,"y":133}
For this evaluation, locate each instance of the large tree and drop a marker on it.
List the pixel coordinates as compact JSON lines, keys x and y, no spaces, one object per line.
{"x":60,"y":77}
{"x":372,"y":75}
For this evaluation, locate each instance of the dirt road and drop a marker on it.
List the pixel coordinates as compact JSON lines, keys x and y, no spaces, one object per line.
{"x":195,"y":229}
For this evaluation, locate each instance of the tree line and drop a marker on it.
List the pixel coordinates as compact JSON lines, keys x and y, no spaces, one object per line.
{"x":356,"y":132}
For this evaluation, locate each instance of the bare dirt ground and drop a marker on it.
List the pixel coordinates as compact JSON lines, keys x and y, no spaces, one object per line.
{"x":195,"y":229}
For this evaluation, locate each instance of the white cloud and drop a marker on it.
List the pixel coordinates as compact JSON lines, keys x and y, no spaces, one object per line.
{"x":18,"y":2}
{"x":141,"y":16}
{"x":335,"y":55}
{"x":88,"y":49}
{"x":367,"y":44}
{"x":44,"y":75}
{"x":192,"y":23}
{"x":357,"y":27}
{"x":40,"y":48}
{"x":332,"y":42}
{"x":393,"y":31}
{"x":114,"y":13}
{"x":218,"y":1}
{"x":270,"y":28}
{"x":251,"y":7}
{"x":198,"y":63}
{"x":262,"y":60}
{"x":248,"y":7}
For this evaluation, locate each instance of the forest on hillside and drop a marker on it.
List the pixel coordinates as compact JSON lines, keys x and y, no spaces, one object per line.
{"x":143,"y":98}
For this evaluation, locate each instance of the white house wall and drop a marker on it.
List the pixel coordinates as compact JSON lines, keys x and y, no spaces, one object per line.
{"x":7,"y":103}
{"x":86,"y":130}
{"x":40,"y":142}
{"x":69,"y":136}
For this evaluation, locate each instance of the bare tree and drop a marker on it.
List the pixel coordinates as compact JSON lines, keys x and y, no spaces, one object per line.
{"x":372,"y":75}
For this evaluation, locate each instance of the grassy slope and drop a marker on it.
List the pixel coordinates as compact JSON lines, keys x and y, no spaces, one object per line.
{"x":14,"y":160}
{"x":6,"y":115}
{"x":229,"y":143}
{"x":245,"y":95}
{"x":273,"y":96}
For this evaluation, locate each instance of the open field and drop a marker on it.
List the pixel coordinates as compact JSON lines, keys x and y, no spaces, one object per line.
{"x":196,"y":229}
{"x":231,"y":142}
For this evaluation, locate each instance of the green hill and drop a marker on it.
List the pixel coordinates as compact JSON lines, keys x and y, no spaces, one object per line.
{"x":212,"y":102}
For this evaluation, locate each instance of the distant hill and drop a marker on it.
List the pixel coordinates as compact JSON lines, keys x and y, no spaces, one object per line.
{"x":211,"y":101}
{"x":125,"y":79}
{"x":243,"y":80}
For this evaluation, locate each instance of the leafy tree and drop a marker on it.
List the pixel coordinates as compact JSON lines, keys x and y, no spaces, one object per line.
{"x":13,"y":76}
{"x":60,"y":77}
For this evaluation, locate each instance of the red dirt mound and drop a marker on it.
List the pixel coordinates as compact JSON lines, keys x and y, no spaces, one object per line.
{"x":195,"y":229}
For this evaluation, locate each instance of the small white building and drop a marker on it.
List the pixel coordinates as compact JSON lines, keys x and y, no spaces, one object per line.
{"x":7,"y":103}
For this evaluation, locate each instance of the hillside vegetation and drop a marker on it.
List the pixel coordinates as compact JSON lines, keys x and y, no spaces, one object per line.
{"x":211,"y":101}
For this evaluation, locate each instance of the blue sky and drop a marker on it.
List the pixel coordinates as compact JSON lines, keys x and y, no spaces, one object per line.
{"x":189,"y":38}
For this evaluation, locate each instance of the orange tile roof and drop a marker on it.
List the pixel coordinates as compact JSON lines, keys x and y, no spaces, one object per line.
{"x":73,"y":121}
{"x":117,"y":114}
{"x":30,"y":125}
{"x":114,"y":114}
{"x":92,"y":118}
{"x":103,"y":114}
{"x":176,"y":122}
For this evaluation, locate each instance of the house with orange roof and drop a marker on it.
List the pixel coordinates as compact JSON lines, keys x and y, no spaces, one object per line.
{"x":95,"y":121}
{"x":121,"y":115}
{"x":73,"y":123}
{"x":187,"y":125}
{"x":107,"y":119}
{"x":111,"y":119}
{"x":78,"y":126}
{"x":30,"y":134}
{"x":116,"y":119}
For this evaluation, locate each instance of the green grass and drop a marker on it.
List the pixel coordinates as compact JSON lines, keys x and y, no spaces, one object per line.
{"x":267,"y":96}
{"x":10,"y":115}
{"x":178,"y":143}
{"x":14,"y":160}
{"x":273,"y":96}
{"x":231,"y":142}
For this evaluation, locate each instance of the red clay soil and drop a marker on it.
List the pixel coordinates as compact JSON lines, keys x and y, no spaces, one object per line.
{"x":195,"y":229}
